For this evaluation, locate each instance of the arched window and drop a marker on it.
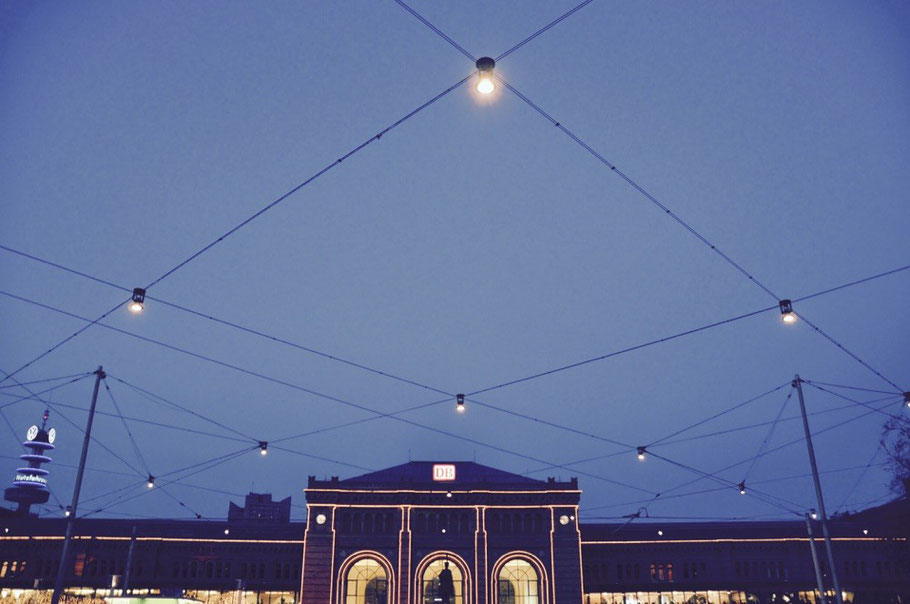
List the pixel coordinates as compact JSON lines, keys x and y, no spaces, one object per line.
{"x":366,"y":583}
{"x":431,"y":582}
{"x":518,"y":583}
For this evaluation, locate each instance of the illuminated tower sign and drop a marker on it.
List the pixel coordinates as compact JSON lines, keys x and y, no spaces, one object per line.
{"x":30,"y":485}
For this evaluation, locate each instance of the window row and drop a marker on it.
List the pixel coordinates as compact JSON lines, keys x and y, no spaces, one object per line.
{"x":761,"y":569}
{"x":455,"y":522}
{"x":368,"y":522}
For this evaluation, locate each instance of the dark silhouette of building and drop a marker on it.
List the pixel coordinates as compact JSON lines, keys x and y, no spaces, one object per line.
{"x":259,"y":507}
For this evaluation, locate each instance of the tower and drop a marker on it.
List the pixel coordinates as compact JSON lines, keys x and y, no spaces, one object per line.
{"x":30,"y":485}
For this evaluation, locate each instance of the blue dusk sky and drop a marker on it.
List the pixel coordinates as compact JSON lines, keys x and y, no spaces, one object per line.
{"x":473,"y":245}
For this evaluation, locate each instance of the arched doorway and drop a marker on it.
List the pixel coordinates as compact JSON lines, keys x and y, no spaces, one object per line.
{"x":518,"y":583}
{"x":429,"y":573}
{"x":366,"y":582}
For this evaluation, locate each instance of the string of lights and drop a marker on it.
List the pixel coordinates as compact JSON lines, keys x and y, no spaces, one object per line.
{"x":779,"y":447}
{"x":718,"y":489}
{"x":139,"y":293}
{"x":774,"y":500}
{"x":237,"y":326}
{"x":156,"y":397}
{"x":425,"y":386}
{"x":713,"y":247}
{"x":315,"y":393}
{"x":197,"y":466}
{"x":704,"y":436}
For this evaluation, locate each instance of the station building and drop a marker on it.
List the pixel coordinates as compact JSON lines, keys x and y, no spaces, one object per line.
{"x":385,"y":538}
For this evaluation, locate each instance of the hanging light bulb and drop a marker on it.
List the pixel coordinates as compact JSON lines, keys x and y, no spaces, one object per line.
{"x":814,"y":514}
{"x":641,"y":453}
{"x":68,"y":511}
{"x":263,"y":447}
{"x":742,"y":488}
{"x":907,"y":399}
{"x":459,"y":403}
{"x":151,"y":482}
{"x":485,"y":84}
{"x":137,"y":302}
{"x":786,"y":311}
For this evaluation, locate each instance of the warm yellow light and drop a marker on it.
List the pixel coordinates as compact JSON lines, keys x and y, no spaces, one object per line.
{"x":789,"y":317}
{"x":485,"y":85}
{"x":135,"y":307}
{"x":460,"y":408}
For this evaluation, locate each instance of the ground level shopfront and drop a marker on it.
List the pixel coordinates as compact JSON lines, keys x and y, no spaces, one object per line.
{"x":387,"y":538}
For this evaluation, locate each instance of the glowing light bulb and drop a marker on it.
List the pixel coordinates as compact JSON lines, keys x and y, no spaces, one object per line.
{"x":459,"y":403}
{"x":263,"y":447}
{"x":786,"y":312}
{"x":641,"y":453}
{"x":137,"y":300}
{"x":485,"y":84}
{"x":151,"y":482}
{"x":742,"y":488}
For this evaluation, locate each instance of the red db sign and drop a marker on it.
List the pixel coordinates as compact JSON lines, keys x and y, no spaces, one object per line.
{"x":443,"y":472}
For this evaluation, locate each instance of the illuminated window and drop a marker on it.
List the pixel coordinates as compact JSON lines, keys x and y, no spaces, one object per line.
{"x":366,"y":583}
{"x":433,"y":590}
{"x":518,"y":583}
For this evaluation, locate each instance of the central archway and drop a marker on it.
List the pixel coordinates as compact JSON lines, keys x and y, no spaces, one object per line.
{"x":427,"y":583}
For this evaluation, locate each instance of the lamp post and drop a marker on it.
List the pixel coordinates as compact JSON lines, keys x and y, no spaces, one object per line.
{"x":815,"y":565}
{"x":798,"y":384}
{"x":62,"y":570}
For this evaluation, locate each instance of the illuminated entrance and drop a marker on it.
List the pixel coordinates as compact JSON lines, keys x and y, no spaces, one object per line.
{"x":438,"y":587}
{"x":518,"y":583}
{"x":366,"y":583}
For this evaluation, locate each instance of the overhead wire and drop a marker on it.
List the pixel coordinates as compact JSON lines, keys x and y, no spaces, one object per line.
{"x":779,"y":447}
{"x":422,"y":385}
{"x":719,"y":414}
{"x":854,"y":401}
{"x":706,"y":435}
{"x":859,"y":478}
{"x":438,"y":31}
{"x":152,"y":396}
{"x":318,"y":394}
{"x":142,"y":421}
{"x":252,"y":217}
{"x":850,"y":387}
{"x":37,"y":395}
{"x":126,"y":427}
{"x":544,"y":29}
{"x":678,"y":219}
{"x":768,"y":436}
{"x":45,"y":380}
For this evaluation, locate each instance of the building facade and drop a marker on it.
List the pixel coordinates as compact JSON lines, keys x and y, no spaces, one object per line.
{"x":387,"y":537}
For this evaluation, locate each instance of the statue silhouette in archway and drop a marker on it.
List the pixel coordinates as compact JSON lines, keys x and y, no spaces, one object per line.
{"x":446,"y":585}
